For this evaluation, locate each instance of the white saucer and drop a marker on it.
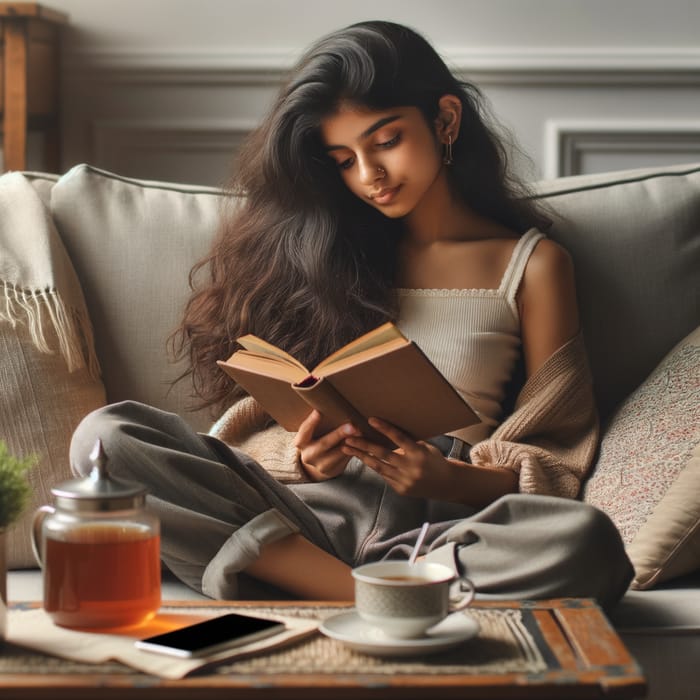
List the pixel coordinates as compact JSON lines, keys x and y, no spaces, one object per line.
{"x":350,"y":629}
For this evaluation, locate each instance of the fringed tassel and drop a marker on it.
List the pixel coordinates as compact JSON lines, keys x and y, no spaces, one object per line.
{"x":72,"y":326}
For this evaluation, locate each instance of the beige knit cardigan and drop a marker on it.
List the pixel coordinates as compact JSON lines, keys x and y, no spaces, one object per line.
{"x":549,"y":439}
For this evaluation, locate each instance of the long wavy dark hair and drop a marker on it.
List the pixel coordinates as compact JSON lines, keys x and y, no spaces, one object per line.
{"x":301,"y":261}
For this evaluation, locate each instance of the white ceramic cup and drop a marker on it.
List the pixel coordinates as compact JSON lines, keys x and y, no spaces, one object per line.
{"x":404,"y":600}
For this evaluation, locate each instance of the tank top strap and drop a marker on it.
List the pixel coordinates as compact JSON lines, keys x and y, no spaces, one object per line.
{"x":516,"y":267}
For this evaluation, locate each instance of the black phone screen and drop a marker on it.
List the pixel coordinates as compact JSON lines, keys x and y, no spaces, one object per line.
{"x":214,"y":632}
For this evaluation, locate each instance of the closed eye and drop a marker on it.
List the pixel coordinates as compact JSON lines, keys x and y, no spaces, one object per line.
{"x":349,"y":162}
{"x":390,"y":142}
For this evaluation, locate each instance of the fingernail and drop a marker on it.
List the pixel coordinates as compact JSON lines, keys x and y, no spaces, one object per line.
{"x":349,"y":429}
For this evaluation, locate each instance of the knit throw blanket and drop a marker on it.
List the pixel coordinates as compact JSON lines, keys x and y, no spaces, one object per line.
{"x":549,"y":440}
{"x":38,"y":285}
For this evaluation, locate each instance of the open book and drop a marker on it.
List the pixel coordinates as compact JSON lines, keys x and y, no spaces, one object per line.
{"x":381,"y":374}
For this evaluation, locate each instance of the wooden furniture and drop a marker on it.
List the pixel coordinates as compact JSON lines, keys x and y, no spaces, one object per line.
{"x":584,"y":659}
{"x":29,"y":78}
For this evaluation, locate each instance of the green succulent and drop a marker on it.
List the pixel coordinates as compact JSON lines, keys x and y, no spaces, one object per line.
{"x":14,"y":486}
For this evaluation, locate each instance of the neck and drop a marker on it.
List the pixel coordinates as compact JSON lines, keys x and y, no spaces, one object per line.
{"x":441,"y":216}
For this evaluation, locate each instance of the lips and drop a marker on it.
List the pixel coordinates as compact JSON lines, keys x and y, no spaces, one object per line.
{"x":385,"y":195}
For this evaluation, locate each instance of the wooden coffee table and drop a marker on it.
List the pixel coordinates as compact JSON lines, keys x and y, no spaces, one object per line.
{"x":578,"y":651}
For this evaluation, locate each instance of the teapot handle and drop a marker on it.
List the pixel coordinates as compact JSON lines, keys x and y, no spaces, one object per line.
{"x":39,"y":518}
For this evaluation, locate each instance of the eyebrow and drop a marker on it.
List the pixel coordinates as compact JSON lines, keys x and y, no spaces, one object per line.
{"x":369,"y":131}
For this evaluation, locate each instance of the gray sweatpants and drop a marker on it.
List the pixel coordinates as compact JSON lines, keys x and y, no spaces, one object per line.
{"x":218,"y":507}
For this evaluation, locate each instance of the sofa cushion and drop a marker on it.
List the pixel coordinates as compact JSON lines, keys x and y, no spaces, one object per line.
{"x":661,"y":629}
{"x":648,"y":474}
{"x":133,"y":244}
{"x":47,"y":380}
{"x":672,"y":607}
{"x":667,"y":545}
{"x":635,"y":240}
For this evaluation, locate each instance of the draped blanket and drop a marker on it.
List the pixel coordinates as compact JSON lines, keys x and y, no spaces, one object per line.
{"x":38,"y":285}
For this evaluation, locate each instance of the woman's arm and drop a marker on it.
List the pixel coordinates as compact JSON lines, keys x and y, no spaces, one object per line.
{"x":420,"y":469}
{"x":547,"y":304}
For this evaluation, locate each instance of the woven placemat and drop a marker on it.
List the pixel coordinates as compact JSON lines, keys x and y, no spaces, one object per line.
{"x":504,"y":645}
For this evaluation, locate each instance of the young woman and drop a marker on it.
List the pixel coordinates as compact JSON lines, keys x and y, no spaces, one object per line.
{"x":374,"y":191}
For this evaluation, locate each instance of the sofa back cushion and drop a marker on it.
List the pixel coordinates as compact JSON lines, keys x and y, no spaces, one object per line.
{"x":634,"y":237}
{"x":635,"y":240}
{"x":133,"y":244}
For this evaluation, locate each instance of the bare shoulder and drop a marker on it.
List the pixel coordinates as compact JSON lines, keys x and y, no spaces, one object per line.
{"x":550,"y":267}
{"x":549,"y":257}
{"x":547,"y":302}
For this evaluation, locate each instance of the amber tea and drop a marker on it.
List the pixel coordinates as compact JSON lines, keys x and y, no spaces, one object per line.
{"x":102,"y":575}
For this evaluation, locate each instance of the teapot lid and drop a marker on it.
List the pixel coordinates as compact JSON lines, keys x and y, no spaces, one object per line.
{"x":99,"y":491}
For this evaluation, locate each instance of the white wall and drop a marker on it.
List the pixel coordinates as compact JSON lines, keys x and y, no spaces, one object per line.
{"x":167,"y":88}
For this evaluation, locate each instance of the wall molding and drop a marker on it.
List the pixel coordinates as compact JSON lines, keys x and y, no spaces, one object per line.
{"x":567,"y":141}
{"x":184,"y":133}
{"x":113,"y":140}
{"x":490,"y":66}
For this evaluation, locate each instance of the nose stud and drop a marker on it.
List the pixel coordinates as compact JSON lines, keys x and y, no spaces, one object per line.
{"x":381,"y":171}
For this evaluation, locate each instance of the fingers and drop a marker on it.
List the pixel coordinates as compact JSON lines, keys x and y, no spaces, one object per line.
{"x":322,"y":456}
{"x":327,"y":466}
{"x":386,"y":463}
{"x":398,"y":437}
{"x":366,"y":448}
{"x":372,"y":455}
{"x":306,"y":433}
{"x":307,"y":429}
{"x":411,"y":469}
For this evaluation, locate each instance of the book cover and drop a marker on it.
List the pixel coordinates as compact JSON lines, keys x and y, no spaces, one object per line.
{"x":381,"y":374}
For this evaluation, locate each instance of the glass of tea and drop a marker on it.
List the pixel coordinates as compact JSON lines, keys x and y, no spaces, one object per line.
{"x":99,"y":549}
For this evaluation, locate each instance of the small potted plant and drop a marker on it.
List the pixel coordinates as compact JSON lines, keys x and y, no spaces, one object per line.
{"x":14,"y":494}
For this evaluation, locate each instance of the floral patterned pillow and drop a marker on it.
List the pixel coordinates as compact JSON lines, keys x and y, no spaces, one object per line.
{"x":647,"y":478}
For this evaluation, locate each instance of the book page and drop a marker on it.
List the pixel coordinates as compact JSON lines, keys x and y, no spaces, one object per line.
{"x":268,"y":365}
{"x":362,"y":356}
{"x":379,"y":336}
{"x":256,"y":345}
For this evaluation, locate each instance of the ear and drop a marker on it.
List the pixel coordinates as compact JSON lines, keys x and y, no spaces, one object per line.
{"x":449,"y":118}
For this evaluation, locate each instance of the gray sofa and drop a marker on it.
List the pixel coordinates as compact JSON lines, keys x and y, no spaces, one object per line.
{"x":116,"y":252}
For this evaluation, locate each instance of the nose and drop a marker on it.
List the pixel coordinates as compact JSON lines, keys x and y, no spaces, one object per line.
{"x":370,"y":171}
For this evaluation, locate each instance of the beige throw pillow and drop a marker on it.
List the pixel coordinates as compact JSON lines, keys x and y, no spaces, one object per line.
{"x":667,"y":545}
{"x":133,"y":244}
{"x":48,"y":374}
{"x":648,"y":474}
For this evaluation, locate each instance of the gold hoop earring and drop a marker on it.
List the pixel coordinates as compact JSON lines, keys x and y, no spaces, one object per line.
{"x":447,"y":155}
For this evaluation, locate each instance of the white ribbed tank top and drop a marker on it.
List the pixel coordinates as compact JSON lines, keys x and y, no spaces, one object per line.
{"x":472,"y":336}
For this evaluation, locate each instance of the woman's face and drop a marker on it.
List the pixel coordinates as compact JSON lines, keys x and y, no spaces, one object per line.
{"x":390,"y":159}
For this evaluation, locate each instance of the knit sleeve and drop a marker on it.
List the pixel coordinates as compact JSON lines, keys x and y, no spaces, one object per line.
{"x":551,"y":437}
{"x":246,"y":427}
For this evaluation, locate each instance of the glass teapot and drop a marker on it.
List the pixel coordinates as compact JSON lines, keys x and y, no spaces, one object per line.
{"x":99,"y":549}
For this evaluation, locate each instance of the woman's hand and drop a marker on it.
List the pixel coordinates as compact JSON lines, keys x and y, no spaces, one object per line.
{"x":323,"y":458}
{"x":414,"y":469}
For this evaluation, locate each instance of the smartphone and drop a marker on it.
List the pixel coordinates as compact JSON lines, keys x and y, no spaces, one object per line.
{"x":207,"y":637}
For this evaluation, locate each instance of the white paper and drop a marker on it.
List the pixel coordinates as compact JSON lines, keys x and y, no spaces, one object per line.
{"x":34,"y":629}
